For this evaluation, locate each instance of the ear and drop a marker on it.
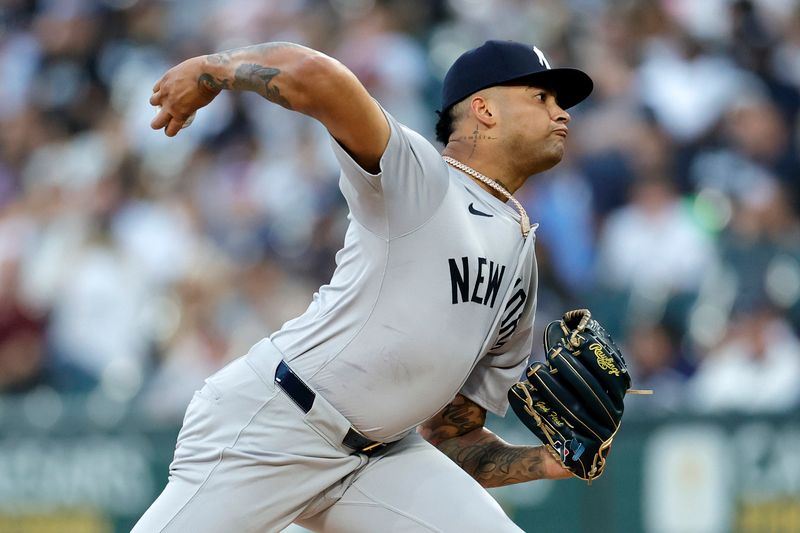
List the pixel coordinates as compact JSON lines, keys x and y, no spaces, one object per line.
{"x":481,"y":109}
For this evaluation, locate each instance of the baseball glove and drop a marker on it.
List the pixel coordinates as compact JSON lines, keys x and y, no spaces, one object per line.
{"x":573,"y":401}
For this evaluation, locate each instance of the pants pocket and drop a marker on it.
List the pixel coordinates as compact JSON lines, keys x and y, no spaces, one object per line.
{"x":327,"y":423}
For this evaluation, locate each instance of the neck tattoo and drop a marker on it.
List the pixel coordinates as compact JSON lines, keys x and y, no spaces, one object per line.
{"x":524,"y":221}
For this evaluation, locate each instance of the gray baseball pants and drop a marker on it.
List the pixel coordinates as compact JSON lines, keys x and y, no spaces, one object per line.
{"x":248,"y":459}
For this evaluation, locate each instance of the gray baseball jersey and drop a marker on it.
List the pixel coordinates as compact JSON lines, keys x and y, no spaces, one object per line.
{"x":434,"y":293}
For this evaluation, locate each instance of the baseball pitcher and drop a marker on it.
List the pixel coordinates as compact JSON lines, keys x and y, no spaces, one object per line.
{"x":366,"y":413}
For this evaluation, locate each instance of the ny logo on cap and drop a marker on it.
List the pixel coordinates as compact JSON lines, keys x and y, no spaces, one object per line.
{"x":542,"y":60}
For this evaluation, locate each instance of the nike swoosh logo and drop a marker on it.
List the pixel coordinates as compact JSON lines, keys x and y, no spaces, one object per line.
{"x":479,"y":213}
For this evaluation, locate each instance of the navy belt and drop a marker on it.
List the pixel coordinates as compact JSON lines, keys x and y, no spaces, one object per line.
{"x":303,"y":396}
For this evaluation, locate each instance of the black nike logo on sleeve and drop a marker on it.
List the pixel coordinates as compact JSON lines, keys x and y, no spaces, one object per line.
{"x":479,"y":213}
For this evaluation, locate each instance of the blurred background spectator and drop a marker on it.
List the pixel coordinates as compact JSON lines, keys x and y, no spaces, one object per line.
{"x":136,"y":265}
{"x":756,"y":367}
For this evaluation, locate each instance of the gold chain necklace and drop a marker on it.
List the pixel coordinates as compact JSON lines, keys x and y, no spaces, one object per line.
{"x":524,"y":221}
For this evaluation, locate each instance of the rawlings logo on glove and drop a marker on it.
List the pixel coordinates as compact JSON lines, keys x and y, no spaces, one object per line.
{"x":574,"y":400}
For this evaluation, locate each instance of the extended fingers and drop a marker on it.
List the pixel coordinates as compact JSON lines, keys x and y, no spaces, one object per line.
{"x":170,"y":123}
{"x":155,"y":98}
{"x":162,"y":117}
{"x":161,"y":120}
{"x":174,"y":126}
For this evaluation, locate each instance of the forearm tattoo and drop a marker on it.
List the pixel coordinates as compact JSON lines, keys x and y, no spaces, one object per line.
{"x":459,"y":433}
{"x":248,"y":76}
{"x":494,"y":463}
{"x":207,"y":81}
{"x":257,"y":78}
{"x":459,"y":417}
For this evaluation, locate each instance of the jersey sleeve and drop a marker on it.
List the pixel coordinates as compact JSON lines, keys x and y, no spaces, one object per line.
{"x":412,"y":182}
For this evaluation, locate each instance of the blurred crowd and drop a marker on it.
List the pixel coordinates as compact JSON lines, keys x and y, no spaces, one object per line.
{"x":133,"y":265}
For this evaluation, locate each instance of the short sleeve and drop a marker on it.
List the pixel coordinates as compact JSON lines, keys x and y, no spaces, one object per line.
{"x":410,"y":186}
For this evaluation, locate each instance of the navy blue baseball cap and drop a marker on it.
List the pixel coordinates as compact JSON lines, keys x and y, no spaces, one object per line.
{"x":496,"y":62}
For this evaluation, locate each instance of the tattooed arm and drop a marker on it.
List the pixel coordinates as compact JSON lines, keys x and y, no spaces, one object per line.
{"x":290,"y":75}
{"x":459,"y":433}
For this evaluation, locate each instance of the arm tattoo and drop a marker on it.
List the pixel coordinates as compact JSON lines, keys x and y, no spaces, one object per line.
{"x":207,"y":81}
{"x":257,"y":78}
{"x":459,"y":417}
{"x":458,"y":432}
{"x":249,"y":76}
{"x":494,"y":463}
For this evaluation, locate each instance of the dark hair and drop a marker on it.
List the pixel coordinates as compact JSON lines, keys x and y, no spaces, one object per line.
{"x":444,"y":126}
